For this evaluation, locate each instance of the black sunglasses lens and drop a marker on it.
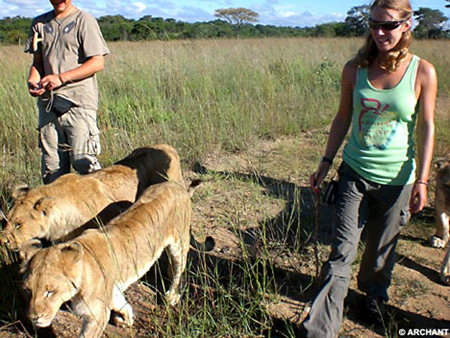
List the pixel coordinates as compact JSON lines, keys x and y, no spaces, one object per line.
{"x":392,"y":25}
{"x":386,"y":26}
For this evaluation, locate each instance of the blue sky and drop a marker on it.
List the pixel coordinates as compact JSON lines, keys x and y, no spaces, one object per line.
{"x":275,"y":12}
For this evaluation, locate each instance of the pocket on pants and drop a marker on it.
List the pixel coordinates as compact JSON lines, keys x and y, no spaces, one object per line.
{"x":405,"y":216}
{"x":93,"y":142}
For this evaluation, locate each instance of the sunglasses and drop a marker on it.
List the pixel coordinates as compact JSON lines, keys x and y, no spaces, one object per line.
{"x":385,"y":25}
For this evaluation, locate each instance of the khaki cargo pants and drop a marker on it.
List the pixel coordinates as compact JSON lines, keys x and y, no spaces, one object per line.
{"x":71,"y":139}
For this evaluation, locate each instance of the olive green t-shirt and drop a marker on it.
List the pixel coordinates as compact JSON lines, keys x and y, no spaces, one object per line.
{"x":66,"y":44}
{"x":381,"y":145}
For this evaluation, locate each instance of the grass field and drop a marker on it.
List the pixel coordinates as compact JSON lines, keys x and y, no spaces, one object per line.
{"x":255,"y":113}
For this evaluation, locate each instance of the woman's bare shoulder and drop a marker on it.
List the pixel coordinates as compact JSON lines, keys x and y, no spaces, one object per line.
{"x":349,"y":71}
{"x":426,"y":71}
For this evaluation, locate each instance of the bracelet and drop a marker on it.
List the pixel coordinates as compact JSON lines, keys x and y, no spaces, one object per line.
{"x":421,"y":182}
{"x":60,"y":80}
{"x":327,"y":160}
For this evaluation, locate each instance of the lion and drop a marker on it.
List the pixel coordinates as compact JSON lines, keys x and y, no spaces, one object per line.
{"x":95,"y":269}
{"x":442,"y":208}
{"x":61,"y":210}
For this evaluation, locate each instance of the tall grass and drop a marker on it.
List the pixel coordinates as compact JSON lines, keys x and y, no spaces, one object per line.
{"x":203,"y":95}
{"x":200,"y":96}
{"x":195,"y":95}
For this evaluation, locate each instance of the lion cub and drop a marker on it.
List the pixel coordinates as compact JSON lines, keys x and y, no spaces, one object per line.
{"x":442,"y":207}
{"x":96,"y":268}
{"x":56,"y":210}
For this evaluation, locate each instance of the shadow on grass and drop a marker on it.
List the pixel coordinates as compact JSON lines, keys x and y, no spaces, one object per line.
{"x":396,"y":318}
{"x":235,"y":275}
{"x":296,"y":219}
{"x":295,"y":222}
{"x":431,"y":274}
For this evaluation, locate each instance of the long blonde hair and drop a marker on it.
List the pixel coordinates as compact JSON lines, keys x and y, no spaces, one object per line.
{"x":368,"y":52}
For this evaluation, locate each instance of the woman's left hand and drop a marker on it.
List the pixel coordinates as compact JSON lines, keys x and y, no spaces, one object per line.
{"x":418,"y":197}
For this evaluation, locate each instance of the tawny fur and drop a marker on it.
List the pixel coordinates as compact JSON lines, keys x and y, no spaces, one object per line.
{"x":96,"y":268}
{"x":442,"y":208}
{"x":56,"y":210}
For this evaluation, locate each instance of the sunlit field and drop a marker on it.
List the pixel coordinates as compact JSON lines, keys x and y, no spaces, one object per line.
{"x":196,"y":95}
{"x":204,"y":97}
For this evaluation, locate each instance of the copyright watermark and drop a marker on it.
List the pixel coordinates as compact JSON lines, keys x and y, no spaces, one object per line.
{"x":423,"y":332}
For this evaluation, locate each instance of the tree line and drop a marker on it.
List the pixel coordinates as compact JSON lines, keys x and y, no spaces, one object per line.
{"x":232,"y":22}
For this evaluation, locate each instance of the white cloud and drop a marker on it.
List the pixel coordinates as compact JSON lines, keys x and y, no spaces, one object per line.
{"x":289,"y":15}
{"x":140,"y":7}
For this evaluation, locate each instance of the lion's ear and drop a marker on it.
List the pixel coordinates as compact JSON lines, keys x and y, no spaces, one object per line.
{"x":194,"y":185}
{"x":439,"y":164}
{"x":38,"y":205}
{"x":28,"y":250}
{"x":20,"y":191}
{"x":71,"y":253}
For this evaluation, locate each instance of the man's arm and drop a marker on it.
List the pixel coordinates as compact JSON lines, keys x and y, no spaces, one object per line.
{"x":36,"y":72}
{"x":91,"y":66}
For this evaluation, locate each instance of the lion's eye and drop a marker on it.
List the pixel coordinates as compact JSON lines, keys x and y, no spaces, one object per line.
{"x":17,"y":225}
{"x":49,"y":293}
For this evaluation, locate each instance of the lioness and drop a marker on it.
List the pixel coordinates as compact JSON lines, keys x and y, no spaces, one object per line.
{"x":55,"y":210}
{"x":442,"y":207}
{"x":95,"y":269}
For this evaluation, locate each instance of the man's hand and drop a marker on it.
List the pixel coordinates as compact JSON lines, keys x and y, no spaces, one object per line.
{"x":35,"y":89}
{"x":51,"y":82}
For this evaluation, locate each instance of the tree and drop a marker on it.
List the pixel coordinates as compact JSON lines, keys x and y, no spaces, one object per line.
{"x":115,"y":27}
{"x":431,"y":23}
{"x":237,"y":16}
{"x":356,"y":20}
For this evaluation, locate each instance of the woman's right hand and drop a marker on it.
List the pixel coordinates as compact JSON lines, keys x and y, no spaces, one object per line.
{"x":316,"y":179}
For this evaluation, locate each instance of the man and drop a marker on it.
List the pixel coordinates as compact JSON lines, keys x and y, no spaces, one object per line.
{"x":68,"y":50}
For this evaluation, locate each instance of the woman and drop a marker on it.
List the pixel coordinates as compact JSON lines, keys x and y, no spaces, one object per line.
{"x":385,"y":91}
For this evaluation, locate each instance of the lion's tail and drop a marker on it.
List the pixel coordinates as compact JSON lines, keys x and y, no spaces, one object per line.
{"x":209,"y":243}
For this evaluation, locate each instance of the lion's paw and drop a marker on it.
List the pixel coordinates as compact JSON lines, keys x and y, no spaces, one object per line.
{"x":173,"y":298}
{"x":123,"y":319}
{"x":445,"y":279}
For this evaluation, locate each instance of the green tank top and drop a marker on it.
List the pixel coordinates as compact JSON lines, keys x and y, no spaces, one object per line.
{"x":381,"y":145}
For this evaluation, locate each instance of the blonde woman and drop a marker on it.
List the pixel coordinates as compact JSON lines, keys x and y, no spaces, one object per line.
{"x":385,"y":92}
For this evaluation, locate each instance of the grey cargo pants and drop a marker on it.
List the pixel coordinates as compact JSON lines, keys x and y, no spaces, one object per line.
{"x":383,"y":210}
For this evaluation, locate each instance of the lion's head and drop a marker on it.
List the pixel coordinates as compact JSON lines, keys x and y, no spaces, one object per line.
{"x":28,"y":218}
{"x":443,"y":171}
{"x":51,"y":278}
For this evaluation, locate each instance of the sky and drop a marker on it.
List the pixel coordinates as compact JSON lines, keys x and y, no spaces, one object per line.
{"x":295,"y":13}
